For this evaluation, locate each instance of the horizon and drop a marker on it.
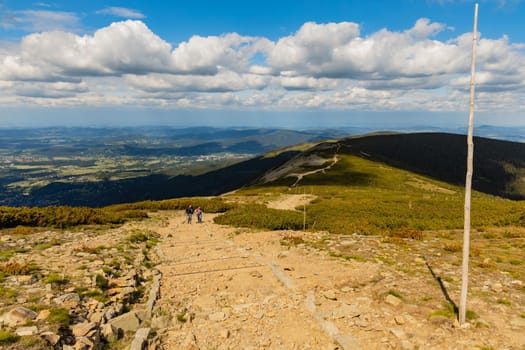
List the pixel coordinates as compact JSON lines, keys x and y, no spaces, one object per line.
{"x":229,"y":64}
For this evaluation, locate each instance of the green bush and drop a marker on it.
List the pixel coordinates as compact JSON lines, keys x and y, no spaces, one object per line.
{"x":260,"y":216}
{"x":101,"y":282}
{"x":209,"y":205}
{"x":55,"y":278}
{"x":8,"y":337}
{"x":62,"y":216}
{"x":59,"y":316}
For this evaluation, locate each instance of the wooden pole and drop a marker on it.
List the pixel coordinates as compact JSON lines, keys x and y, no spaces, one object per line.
{"x":468,"y":180}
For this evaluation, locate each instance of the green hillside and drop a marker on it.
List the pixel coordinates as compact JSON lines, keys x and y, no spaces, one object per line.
{"x":362,"y":196}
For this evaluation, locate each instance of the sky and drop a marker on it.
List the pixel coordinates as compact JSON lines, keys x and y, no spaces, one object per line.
{"x":296,"y":64}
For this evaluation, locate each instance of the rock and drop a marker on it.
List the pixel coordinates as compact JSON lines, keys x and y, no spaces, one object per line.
{"x":109,"y":332}
{"x":330,"y":294}
{"x":256,"y":274}
{"x":392,"y":300}
{"x":84,"y":343}
{"x":110,"y":313}
{"x":127,"y":322}
{"x":140,"y":339}
{"x":74,"y":297}
{"x":346,"y":243}
{"x":518,"y":322}
{"x":97,"y":317}
{"x":282,"y":254}
{"x":70,"y":304}
{"x":217,"y":316}
{"x":204,"y":302}
{"x":43,"y":315}
{"x":50,"y":337}
{"x":399,"y":334}
{"x":346,"y":289}
{"x":419,"y":261}
{"x":23,"y":280}
{"x":190,"y":343}
{"x":465,"y":325}
{"x":361,"y":322}
{"x":98,"y":263}
{"x":18,"y":315}
{"x":497,"y":287}
{"x":26,"y":331}
{"x":225,"y":333}
{"x":160,"y":322}
{"x":516,"y":282}
{"x":406,"y":345}
{"x":82,"y":329}
{"x":399,"y":319}
{"x":348,"y":311}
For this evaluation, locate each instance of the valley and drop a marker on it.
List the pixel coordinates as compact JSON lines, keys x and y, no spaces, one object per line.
{"x":33,"y":159}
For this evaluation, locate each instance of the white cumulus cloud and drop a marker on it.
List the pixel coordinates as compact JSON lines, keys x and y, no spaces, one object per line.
{"x":330,"y":66}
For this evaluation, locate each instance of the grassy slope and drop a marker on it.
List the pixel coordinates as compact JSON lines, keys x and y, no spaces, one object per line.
{"x":358,"y":195}
{"x":499,"y":166}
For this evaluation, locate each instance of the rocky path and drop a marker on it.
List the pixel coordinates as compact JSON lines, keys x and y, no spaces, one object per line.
{"x":230,"y":288}
{"x":228,"y":293}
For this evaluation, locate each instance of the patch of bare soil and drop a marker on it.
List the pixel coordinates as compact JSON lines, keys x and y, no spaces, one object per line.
{"x":228,"y":288}
{"x":291,"y":201}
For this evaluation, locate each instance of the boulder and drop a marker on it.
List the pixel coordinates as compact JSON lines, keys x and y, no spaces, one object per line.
{"x":82,"y":329}
{"x":26,"y":331}
{"x":109,"y":332}
{"x":51,"y":338}
{"x":127,"y":322}
{"x":74,"y":297}
{"x":140,"y":339}
{"x":18,"y":315}
{"x":392,"y":300}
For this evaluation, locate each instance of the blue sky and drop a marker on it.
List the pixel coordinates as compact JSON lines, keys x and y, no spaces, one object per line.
{"x":272,"y":63}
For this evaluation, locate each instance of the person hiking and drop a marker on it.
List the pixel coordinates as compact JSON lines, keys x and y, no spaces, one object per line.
{"x":189,"y":213}
{"x":198,"y":211}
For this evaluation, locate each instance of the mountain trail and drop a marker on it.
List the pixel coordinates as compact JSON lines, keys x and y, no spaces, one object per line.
{"x":231,"y":288}
{"x":291,"y":201}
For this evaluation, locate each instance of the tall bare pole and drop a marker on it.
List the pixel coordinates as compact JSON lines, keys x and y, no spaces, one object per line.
{"x":468,"y":181}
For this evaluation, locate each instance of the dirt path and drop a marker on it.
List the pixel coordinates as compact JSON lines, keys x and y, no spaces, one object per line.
{"x":291,"y":201}
{"x":228,"y":291}
{"x":228,"y":288}
{"x":301,"y":175}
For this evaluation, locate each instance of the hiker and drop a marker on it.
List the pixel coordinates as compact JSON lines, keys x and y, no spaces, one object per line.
{"x":189,"y":213}
{"x":198,"y":211}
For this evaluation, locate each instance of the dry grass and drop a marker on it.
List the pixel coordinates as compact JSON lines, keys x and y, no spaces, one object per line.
{"x":17,"y":268}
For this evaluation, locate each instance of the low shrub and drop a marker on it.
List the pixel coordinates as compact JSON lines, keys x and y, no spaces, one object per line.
{"x":17,"y":268}
{"x":55,"y":278}
{"x":7,"y":337}
{"x":59,"y":316}
{"x":262,"y":217}
{"x":101,"y":282}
